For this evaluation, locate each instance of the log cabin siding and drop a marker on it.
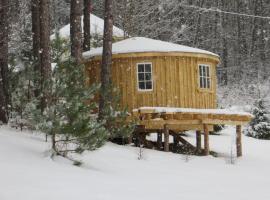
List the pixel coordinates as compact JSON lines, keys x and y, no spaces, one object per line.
{"x":175,"y":80}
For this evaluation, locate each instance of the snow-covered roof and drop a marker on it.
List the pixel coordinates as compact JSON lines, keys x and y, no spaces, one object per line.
{"x":97,"y":27}
{"x":142,"y":44}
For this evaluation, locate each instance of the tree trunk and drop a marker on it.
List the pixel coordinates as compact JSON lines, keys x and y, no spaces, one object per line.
{"x":36,"y":43}
{"x":3,"y":113}
{"x":224,"y":44}
{"x":76,"y":30}
{"x":86,"y":25}
{"x":198,"y":26}
{"x":254,"y":29}
{"x":45,"y":58}
{"x":4,"y":91}
{"x":105,"y":75}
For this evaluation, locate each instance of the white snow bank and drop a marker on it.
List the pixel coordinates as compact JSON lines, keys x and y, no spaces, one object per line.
{"x":114,"y":172}
{"x":193,"y":110}
{"x":142,"y":44}
{"x":97,"y":27}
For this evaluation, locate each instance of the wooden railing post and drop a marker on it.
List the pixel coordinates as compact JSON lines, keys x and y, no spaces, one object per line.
{"x":238,"y":141}
{"x":198,"y":141}
{"x":206,"y":139}
{"x":166,"y":138}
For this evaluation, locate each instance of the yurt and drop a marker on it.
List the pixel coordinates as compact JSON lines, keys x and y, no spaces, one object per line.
{"x":159,"y":74}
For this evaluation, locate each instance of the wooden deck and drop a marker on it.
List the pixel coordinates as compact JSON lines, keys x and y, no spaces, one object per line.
{"x":171,"y":121}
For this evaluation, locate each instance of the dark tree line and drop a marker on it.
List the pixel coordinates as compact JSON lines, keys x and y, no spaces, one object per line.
{"x":241,"y":41}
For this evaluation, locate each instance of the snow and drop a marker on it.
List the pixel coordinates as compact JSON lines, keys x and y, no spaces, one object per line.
{"x":97,"y":27}
{"x":193,"y":110}
{"x":114,"y":172}
{"x":142,"y":44}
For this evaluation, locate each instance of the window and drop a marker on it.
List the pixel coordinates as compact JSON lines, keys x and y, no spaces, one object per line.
{"x":145,"y":81}
{"x":205,"y":78}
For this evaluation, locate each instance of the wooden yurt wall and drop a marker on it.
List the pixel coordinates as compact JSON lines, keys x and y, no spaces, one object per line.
{"x":175,"y":81}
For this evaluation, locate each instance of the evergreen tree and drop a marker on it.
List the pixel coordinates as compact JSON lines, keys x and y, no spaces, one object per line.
{"x":70,"y":119}
{"x":259,"y":127}
{"x":22,"y":95}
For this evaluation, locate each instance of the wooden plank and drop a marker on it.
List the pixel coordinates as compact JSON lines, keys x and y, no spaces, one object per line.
{"x":171,"y":122}
{"x":184,"y":127}
{"x":225,"y":122}
{"x":166,"y":138}
{"x":238,"y":141}
{"x":206,"y":140}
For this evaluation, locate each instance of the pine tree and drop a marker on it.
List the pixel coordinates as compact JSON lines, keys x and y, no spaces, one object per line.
{"x":71,"y":116}
{"x":36,"y":40}
{"x":259,"y":127}
{"x":22,"y":95}
{"x":105,"y":72}
{"x":45,"y":49}
{"x":86,"y":25}
{"x":76,"y":29}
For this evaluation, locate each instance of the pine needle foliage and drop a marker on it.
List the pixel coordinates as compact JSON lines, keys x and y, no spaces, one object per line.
{"x":259,"y":127}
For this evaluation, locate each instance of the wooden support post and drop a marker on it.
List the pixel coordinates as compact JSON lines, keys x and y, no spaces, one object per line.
{"x":238,"y":141}
{"x":166,"y":138}
{"x":159,"y":140}
{"x":198,"y":141}
{"x":206,"y":140}
{"x":143,"y":139}
{"x":175,"y":142}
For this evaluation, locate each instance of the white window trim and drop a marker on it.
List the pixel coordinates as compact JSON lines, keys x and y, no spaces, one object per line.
{"x":210,"y":77}
{"x":137,"y":74}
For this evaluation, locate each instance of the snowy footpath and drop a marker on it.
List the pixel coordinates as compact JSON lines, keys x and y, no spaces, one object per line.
{"x":114,"y":172}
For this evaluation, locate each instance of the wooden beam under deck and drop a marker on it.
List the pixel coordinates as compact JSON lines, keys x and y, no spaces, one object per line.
{"x":198,"y":141}
{"x":177,"y":122}
{"x":206,"y":140}
{"x":238,"y":141}
{"x":166,"y":138}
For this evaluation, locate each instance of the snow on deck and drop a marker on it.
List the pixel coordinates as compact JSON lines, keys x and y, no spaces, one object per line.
{"x":97,"y":27}
{"x":142,"y":44}
{"x":193,"y":110}
{"x":114,"y":173}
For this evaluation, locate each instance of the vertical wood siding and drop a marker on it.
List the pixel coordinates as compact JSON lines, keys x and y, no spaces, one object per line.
{"x":175,"y":82}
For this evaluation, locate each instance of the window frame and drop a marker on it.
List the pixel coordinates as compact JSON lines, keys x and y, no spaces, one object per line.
{"x":205,"y":77}
{"x":138,"y":80}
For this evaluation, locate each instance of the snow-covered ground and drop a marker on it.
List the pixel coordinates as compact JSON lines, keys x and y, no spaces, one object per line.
{"x":113,"y":172}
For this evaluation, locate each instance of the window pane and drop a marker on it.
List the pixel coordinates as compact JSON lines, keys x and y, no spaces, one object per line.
{"x":201,"y":82}
{"x":141,"y":76}
{"x":207,"y":72}
{"x":141,"y":68}
{"x":204,"y":83}
{"x":149,"y":85}
{"x":204,"y":72}
{"x":142,"y":85}
{"x":148,"y":76}
{"x":147,"y":68}
{"x":200,"y":70}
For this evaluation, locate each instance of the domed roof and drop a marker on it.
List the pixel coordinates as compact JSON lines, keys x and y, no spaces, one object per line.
{"x":142,"y":44}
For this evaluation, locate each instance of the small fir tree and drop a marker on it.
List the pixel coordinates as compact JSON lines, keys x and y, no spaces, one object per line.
{"x":22,"y":88}
{"x":70,"y":118}
{"x":116,"y":119}
{"x":259,"y":127}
